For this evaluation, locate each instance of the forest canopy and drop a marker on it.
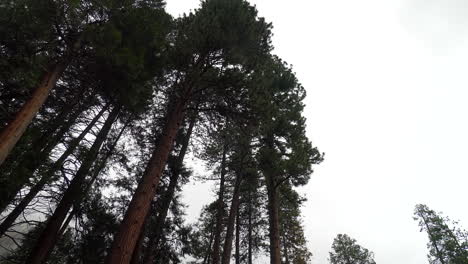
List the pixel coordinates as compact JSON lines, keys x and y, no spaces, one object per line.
{"x":102,"y":101}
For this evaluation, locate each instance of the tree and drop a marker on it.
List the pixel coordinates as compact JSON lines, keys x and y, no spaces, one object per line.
{"x":42,"y":22}
{"x":285,"y":154}
{"x":292,"y":232}
{"x":219,"y":35}
{"x":447,"y":245}
{"x":345,"y":250}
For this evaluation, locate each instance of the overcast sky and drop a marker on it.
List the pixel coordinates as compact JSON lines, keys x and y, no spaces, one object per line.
{"x":388,"y":104}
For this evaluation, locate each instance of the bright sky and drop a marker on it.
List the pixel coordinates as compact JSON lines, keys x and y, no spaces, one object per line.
{"x":388,"y":103}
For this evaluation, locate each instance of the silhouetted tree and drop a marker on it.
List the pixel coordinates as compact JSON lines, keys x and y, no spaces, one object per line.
{"x":345,"y":250}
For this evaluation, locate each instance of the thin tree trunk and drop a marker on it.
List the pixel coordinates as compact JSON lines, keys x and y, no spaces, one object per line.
{"x":237,"y":237}
{"x":36,"y":157}
{"x":10,"y":219}
{"x":72,"y":195}
{"x":273,"y":217}
{"x":434,"y":243}
{"x":97,"y":169}
{"x":285,"y":250}
{"x":168,"y":196}
{"x":130,"y":228}
{"x":208,"y":250}
{"x":250,"y":229}
{"x":220,"y":210}
{"x":67,"y":222}
{"x":15,"y":129}
{"x":226,"y":259}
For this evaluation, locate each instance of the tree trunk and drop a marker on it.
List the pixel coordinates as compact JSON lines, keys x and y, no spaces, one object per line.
{"x":15,"y":129}
{"x":96,"y":170}
{"x":139,"y":246}
{"x":273,"y":217}
{"x":37,"y":156}
{"x":10,"y":219}
{"x":130,"y":228}
{"x":433,"y":241}
{"x":220,"y":211}
{"x":208,"y":250}
{"x":285,"y":250}
{"x":249,"y":257}
{"x":230,"y":225}
{"x":237,"y":237}
{"x":168,"y":196}
{"x":72,"y":195}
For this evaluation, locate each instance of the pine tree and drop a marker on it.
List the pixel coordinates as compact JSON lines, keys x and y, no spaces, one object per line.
{"x":345,"y":250}
{"x":447,"y":245}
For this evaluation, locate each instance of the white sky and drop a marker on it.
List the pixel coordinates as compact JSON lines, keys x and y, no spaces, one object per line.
{"x":387,"y":103}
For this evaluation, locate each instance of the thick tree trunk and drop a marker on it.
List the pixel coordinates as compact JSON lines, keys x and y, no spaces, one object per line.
{"x":130,"y":228}
{"x":37,"y":156}
{"x":15,"y":129}
{"x":72,"y":196}
{"x":273,"y":217}
{"x":46,"y":177}
{"x":168,"y":196}
{"x":220,"y":211}
{"x":136,"y":256}
{"x":226,"y":259}
{"x":237,"y":237}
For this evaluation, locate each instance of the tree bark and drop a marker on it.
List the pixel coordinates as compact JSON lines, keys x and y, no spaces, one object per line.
{"x":139,"y":246}
{"x":220,"y":210}
{"x":273,"y":217}
{"x":72,"y":195}
{"x":227,"y":249}
{"x":15,"y":129}
{"x":130,"y":228}
{"x":168,"y":196}
{"x":10,"y":219}
{"x":10,"y":135}
{"x":44,"y":145}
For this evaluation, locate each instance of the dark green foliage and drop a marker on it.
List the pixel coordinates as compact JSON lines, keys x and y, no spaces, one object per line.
{"x":133,"y":56}
{"x":292,"y":231}
{"x":448,"y":244}
{"x":345,"y":250}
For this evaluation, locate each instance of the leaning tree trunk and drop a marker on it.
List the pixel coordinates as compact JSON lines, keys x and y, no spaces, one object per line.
{"x":230,"y":225}
{"x":273,"y":217}
{"x":38,"y":155}
{"x":100,"y":165}
{"x":130,"y":228}
{"x":168,"y":196}
{"x":220,"y":210}
{"x":72,"y":195}
{"x":46,"y":177}
{"x":15,"y":129}
{"x":10,"y":135}
{"x":136,"y":256}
